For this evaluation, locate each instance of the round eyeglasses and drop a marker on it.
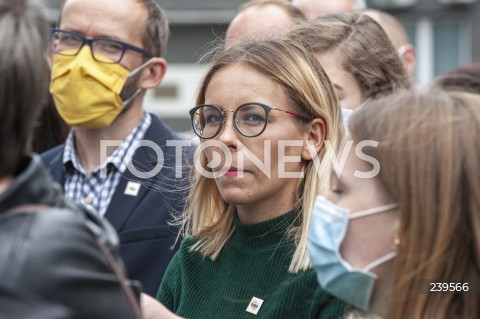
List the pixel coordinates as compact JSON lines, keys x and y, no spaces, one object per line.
{"x":103,"y":50}
{"x":250,"y":119}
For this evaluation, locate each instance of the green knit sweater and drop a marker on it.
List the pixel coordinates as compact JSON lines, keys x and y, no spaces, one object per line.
{"x":253,"y":264}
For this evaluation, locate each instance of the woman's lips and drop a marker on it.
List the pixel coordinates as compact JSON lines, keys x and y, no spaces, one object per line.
{"x":233,"y":171}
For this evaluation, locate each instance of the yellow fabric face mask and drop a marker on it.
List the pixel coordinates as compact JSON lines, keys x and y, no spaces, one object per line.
{"x":87,"y":92}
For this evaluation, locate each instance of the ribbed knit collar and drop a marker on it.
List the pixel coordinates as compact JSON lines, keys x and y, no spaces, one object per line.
{"x":264,"y":235}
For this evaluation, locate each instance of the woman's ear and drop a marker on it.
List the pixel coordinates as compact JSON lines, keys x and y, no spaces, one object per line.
{"x":314,"y":140}
{"x":153,"y":74}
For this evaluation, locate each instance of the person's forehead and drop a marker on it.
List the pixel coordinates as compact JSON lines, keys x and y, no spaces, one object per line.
{"x":237,"y":83}
{"x":258,"y":21}
{"x":269,"y":12}
{"x":121,"y":19}
{"x":316,"y":8}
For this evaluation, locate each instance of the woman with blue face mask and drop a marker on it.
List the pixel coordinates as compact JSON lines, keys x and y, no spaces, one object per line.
{"x":399,"y":234}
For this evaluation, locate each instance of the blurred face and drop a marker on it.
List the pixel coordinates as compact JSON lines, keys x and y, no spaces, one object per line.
{"x":256,"y":196}
{"x":347,"y":88}
{"x":371,"y":237}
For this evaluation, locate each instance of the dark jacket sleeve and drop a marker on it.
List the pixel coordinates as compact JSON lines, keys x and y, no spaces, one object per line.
{"x":61,"y":261}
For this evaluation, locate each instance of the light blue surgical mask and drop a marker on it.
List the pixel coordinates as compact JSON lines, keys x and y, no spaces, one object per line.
{"x":336,"y":276}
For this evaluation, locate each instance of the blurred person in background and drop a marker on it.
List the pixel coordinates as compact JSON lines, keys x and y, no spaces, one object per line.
{"x":404,"y":241}
{"x":463,"y":78}
{"x":357,"y":56}
{"x":317,"y":8}
{"x":398,"y":35}
{"x":50,"y":129}
{"x":54,"y":255}
{"x":18,"y":303}
{"x":262,"y":19}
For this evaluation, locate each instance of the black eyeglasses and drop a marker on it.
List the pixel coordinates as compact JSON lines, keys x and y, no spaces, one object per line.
{"x":103,"y":50}
{"x":250,"y":119}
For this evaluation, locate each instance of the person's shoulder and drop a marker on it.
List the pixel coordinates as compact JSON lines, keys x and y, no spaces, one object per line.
{"x":78,"y":224}
{"x":185,"y":260}
{"x":186,"y":245}
{"x":72,"y":225}
{"x":188,"y":242}
{"x":159,"y":128}
{"x":51,"y":232}
{"x":53,"y":154}
{"x":69,"y":231}
{"x":59,"y":218}
{"x":161,"y":133}
{"x":186,"y":251}
{"x":16,"y":302}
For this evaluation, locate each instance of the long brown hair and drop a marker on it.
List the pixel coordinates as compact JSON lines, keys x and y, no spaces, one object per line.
{"x":362,"y":48}
{"x":428,"y":150}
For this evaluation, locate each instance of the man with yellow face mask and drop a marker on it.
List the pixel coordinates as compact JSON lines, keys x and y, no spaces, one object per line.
{"x":119,"y":161}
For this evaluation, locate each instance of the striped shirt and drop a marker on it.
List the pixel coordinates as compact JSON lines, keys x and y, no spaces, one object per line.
{"x":95,"y":190}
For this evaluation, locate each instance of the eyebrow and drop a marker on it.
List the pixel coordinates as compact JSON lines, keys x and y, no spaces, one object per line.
{"x":246,"y":106}
{"x":96,"y":36}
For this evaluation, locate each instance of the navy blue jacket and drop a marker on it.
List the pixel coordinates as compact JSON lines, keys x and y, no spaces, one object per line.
{"x":142,"y":221}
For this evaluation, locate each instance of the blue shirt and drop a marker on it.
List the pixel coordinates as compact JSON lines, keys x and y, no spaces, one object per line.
{"x":95,"y":190}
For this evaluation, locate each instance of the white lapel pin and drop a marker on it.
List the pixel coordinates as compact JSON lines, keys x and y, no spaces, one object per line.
{"x":132,"y":189}
{"x":254,"y":305}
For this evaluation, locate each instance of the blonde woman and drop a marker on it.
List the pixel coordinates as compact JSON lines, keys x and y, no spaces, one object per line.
{"x":269,"y":105}
{"x":411,"y":234}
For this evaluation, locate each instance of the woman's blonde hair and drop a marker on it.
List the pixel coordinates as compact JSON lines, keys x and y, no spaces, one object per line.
{"x":428,"y":150}
{"x":362,"y":48}
{"x":208,"y":217}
